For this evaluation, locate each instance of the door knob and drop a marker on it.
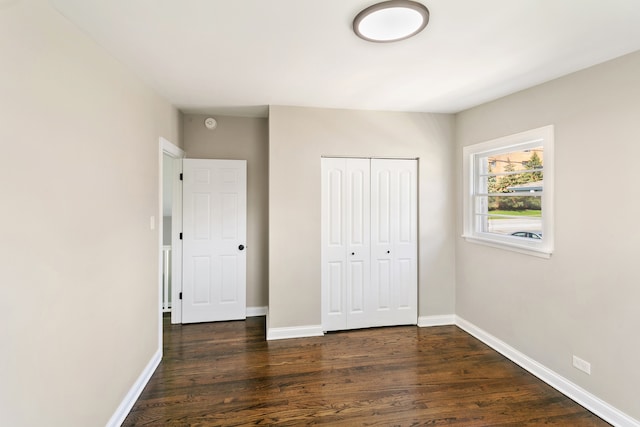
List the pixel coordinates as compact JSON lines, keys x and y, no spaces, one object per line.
{"x":241,"y":247}
{"x":388,"y":252}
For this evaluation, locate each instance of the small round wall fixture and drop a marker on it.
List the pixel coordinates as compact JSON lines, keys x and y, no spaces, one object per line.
{"x":391,"y":21}
{"x":210,"y":123}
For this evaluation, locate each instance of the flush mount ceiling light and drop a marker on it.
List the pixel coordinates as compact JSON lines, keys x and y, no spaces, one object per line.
{"x":391,"y":21}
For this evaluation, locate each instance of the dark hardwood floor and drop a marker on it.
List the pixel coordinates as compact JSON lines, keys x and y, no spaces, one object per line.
{"x":227,"y":374}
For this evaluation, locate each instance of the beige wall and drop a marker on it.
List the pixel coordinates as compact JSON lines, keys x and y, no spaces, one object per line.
{"x":584,"y":300}
{"x":241,"y":138}
{"x":79,"y":263}
{"x":298,"y":137}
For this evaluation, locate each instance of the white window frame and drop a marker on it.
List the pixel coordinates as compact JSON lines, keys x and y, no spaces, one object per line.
{"x":544,"y":137}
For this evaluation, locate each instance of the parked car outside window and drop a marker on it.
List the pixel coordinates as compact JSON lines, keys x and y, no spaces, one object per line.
{"x":527,"y":234}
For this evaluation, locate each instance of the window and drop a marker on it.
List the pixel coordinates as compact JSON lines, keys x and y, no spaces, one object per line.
{"x":508,"y":194}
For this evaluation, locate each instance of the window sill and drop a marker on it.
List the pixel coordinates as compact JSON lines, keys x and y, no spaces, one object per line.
{"x":526,"y":250}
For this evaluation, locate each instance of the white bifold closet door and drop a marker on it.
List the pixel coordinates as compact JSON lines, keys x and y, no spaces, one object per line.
{"x":346,"y":246}
{"x":369,"y":242}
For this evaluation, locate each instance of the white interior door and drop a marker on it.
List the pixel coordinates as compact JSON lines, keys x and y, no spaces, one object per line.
{"x":345,"y":242}
{"x":214,"y":238}
{"x":394,"y":234}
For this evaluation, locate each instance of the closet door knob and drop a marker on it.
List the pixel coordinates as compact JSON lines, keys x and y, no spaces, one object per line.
{"x":353,"y":253}
{"x":241,"y":247}
{"x":388,"y":252}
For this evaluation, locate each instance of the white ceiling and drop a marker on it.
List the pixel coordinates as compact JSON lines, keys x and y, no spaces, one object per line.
{"x":237,"y":56}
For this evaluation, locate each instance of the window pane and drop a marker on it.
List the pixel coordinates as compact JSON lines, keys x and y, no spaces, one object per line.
{"x":524,"y":227}
{"x":520,"y":216}
{"x":518,"y":213}
{"x":499,"y":173}
{"x":514,"y":205}
{"x":519,"y":160}
{"x":528,"y":182}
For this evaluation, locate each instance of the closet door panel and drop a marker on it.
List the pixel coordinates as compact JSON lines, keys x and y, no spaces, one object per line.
{"x":394,"y":211}
{"x":382,"y":289}
{"x":382,"y":214}
{"x":356,"y":287}
{"x":405,"y":205}
{"x":334,"y":244}
{"x":358,"y":254}
{"x":405,"y":244}
{"x":334,"y":287}
{"x":381,"y":202}
{"x":358,"y":203}
{"x":345,"y":242}
{"x":406,"y":284}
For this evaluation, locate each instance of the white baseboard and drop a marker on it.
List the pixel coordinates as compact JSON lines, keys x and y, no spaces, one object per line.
{"x":294,"y":332}
{"x":440,"y":320}
{"x":566,"y":387}
{"x":256,"y":311}
{"x":129,"y":400}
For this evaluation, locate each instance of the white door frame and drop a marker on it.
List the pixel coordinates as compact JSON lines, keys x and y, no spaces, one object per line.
{"x":177,"y":154}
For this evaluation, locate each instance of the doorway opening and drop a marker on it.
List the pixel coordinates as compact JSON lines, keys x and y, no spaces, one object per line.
{"x":170,"y":248}
{"x":167,"y":209}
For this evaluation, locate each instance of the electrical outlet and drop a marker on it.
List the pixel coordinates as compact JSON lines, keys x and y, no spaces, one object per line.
{"x":583,"y":365}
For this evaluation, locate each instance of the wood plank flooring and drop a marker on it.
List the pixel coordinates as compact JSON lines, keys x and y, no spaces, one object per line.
{"x":226,"y":374}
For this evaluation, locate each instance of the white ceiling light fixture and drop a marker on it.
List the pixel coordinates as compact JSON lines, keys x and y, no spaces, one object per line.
{"x":391,"y":21}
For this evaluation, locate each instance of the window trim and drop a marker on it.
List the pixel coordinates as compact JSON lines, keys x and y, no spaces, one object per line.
{"x":541,"y":248}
